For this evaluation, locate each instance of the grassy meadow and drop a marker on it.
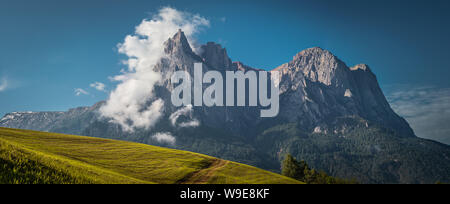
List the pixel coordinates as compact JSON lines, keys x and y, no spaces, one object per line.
{"x":28,"y":157}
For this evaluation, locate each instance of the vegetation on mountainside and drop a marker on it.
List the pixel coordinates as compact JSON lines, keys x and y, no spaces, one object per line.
{"x":300,"y":171}
{"x":367,"y":153}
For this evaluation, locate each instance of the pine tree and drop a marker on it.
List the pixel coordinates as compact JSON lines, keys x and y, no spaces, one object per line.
{"x":303,"y":168}
{"x":291,"y":168}
{"x":311,"y":177}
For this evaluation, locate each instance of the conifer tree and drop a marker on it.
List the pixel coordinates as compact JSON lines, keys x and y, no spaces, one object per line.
{"x":291,"y":168}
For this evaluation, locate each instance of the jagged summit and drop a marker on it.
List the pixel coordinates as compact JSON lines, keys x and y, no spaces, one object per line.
{"x":314,"y":52}
{"x":318,"y":65}
{"x":311,"y":51}
{"x":180,"y":37}
{"x":215,"y":56}
{"x":212,"y":54}
{"x":178,"y":44}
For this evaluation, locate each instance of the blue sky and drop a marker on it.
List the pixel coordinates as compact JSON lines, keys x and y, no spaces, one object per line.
{"x":48,"y":48}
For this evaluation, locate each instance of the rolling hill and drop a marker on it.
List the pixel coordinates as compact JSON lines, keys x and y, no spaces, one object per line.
{"x":40,"y":157}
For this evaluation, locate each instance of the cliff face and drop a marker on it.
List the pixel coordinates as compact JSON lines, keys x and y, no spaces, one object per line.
{"x":317,"y":87}
{"x":334,"y":116}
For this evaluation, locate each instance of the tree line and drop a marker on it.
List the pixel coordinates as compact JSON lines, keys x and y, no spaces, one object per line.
{"x":302,"y":172}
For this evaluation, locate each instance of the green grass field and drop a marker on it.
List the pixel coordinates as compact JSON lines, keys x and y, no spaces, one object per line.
{"x":40,"y":157}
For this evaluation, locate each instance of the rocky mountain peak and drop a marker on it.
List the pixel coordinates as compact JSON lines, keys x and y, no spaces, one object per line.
{"x":314,"y":51}
{"x":316,"y":54}
{"x":215,"y":56}
{"x":317,"y":65}
{"x":178,"y":44}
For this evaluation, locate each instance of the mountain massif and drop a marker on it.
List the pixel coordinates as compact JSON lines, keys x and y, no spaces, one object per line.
{"x":334,"y":117}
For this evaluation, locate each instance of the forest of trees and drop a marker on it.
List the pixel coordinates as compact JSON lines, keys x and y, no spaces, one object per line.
{"x":302,"y":172}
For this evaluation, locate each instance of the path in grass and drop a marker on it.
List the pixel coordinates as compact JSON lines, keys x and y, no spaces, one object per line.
{"x":204,"y":175}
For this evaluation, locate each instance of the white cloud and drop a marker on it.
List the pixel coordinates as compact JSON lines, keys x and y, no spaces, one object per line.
{"x":192,"y":123}
{"x":427,"y":110}
{"x":3,"y":84}
{"x":99,"y":86}
{"x":164,"y":137}
{"x":79,"y":92}
{"x":223,"y":19}
{"x":185,"y":111}
{"x":132,"y":104}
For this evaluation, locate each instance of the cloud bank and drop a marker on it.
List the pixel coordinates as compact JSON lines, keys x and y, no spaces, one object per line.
{"x":427,"y":109}
{"x":132,"y":104}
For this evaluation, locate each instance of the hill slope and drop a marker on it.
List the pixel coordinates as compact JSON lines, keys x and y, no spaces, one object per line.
{"x":38,"y":157}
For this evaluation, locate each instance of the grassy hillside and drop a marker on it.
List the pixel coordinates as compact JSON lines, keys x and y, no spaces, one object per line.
{"x":38,"y":157}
